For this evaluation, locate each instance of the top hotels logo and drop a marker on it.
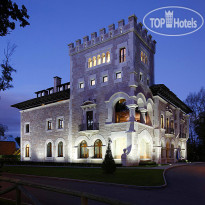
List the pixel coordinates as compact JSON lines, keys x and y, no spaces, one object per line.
{"x":173,"y":21}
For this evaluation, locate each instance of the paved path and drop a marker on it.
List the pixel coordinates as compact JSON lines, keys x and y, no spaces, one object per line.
{"x":186,"y":185}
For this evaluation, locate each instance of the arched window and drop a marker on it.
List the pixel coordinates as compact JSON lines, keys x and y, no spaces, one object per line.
{"x":49,"y":149}
{"x":94,"y":61}
{"x":167,"y":125}
{"x":103,"y":58}
{"x":162,"y":121}
{"x":99,"y":59}
{"x":98,"y":149}
{"x":108,"y":57}
{"x":60,"y":149}
{"x":137,"y":114}
{"x":90,"y":63}
{"x":27,"y":151}
{"x":121,"y":111}
{"x":122,"y":55}
{"x":83,"y":149}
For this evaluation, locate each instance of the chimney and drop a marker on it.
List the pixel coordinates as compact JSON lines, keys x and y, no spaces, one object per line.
{"x":57,"y":82}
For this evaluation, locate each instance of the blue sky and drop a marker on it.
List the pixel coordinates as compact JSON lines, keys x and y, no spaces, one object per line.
{"x":42,"y":51}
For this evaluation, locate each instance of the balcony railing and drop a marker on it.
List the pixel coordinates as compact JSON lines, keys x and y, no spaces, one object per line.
{"x":169,"y":130}
{"x":182,"y":135}
{"x":94,"y":126}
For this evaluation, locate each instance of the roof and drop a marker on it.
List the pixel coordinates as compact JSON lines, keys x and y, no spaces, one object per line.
{"x":165,"y":93}
{"x":7,"y":148}
{"x":44,"y":100}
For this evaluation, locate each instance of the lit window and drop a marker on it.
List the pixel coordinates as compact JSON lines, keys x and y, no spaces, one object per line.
{"x":98,"y":149}
{"x":60,"y":149}
{"x":108,"y":57}
{"x":120,"y":30}
{"x":103,"y":58}
{"x":92,"y":82}
{"x":118,"y":75}
{"x":90,"y":63}
{"x":122,"y":55}
{"x":49,"y":125}
{"x":27,"y":151}
{"x":94,"y":61}
{"x":83,"y":149}
{"x":27,"y":128}
{"x":81,"y":85}
{"x":144,"y":58}
{"x":99,"y":59}
{"x":49,"y":149}
{"x":105,"y":79}
{"x":60,"y":123}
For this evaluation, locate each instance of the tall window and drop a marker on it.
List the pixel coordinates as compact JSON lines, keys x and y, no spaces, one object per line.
{"x":98,"y":149}
{"x":27,"y":150}
{"x":122,"y":55}
{"x":103,"y":58}
{"x":60,"y":123}
{"x":99,"y":59}
{"x":49,"y":149}
{"x":49,"y":124}
{"x":144,"y":57}
{"x":162,"y":121}
{"x":90,"y":63}
{"x":89,"y":120}
{"x":27,"y":128}
{"x":83,"y":149}
{"x":167,"y":124}
{"x":60,"y":149}
{"x":94,"y":61}
{"x":108,"y":57}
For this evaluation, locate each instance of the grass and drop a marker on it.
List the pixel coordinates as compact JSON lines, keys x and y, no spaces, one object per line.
{"x":139,"y":177}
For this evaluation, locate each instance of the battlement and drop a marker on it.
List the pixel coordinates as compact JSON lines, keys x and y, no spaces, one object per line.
{"x":113,"y":33}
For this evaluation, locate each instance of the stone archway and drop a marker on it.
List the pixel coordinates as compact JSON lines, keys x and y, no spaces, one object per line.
{"x":145,"y":146}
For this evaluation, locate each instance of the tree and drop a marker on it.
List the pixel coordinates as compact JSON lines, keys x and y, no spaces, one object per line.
{"x":18,"y":140}
{"x":3,"y":129}
{"x":108,"y":164}
{"x":196,"y":101}
{"x":9,"y":12}
{"x":7,"y":69}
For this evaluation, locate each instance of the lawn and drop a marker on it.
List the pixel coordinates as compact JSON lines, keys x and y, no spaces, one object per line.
{"x":139,"y":177}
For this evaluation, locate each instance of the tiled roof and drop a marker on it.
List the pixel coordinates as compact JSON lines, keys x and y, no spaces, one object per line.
{"x":44,"y":100}
{"x":165,"y":93}
{"x":7,"y":148}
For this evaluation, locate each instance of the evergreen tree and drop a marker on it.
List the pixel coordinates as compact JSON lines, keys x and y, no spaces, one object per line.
{"x":108,"y":165}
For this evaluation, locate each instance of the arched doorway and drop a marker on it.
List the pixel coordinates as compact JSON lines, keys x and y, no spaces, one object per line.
{"x":121,"y":111}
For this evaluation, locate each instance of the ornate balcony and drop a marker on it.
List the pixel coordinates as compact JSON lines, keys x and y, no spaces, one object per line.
{"x":182,"y":135}
{"x":169,"y":130}
{"x":94,"y":127}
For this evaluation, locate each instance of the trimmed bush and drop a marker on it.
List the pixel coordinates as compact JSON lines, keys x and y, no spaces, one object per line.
{"x":108,"y":164}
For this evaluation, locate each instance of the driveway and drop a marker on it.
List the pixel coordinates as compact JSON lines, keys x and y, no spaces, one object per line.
{"x":186,"y":185}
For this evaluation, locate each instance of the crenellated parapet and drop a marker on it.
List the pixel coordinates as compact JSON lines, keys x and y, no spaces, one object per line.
{"x":113,"y":32}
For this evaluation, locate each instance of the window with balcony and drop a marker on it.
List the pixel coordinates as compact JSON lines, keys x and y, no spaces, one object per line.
{"x":89,"y":116}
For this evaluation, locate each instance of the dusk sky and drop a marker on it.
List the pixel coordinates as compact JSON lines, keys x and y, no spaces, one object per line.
{"x":42,"y":50}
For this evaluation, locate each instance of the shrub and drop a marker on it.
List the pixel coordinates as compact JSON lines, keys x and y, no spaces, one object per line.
{"x":108,"y":164}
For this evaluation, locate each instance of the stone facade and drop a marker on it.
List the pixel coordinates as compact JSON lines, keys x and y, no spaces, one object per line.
{"x":110,"y":70}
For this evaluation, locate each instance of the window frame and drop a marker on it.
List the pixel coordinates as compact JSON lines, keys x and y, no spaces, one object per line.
{"x":122,"y":55}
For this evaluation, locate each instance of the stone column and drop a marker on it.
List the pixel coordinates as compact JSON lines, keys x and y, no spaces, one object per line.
{"x":143,"y":114}
{"x":132,"y":116}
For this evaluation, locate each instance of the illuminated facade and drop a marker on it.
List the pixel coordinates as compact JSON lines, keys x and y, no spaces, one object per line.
{"x":111,"y":94}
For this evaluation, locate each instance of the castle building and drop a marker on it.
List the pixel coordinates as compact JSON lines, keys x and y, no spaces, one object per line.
{"x":111,"y":95}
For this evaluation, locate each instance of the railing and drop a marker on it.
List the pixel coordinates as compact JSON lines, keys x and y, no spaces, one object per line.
{"x":18,"y":186}
{"x":182,"y":135}
{"x":94,"y":126}
{"x":169,"y":130}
